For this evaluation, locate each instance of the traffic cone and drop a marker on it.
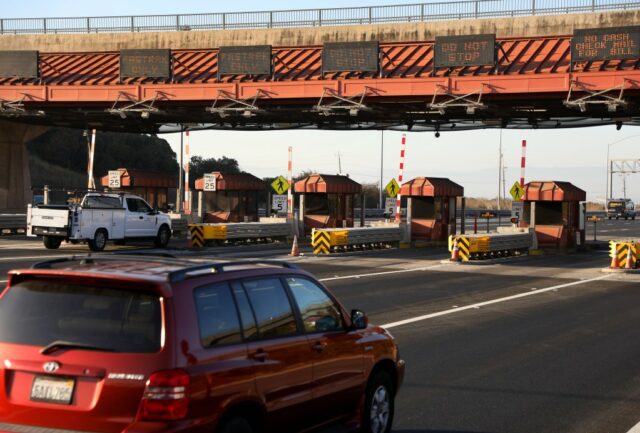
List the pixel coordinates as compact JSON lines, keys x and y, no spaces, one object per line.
{"x":455,"y":252}
{"x":630,"y":262}
{"x":295,"y":250}
{"x":615,"y":264}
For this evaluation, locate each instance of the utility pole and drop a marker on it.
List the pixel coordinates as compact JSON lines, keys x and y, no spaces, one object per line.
{"x":180,"y":173}
{"x":381,"y":206}
{"x":500,"y":172}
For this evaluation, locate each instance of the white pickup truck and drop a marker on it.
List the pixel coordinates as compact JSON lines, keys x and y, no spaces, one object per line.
{"x":99,"y":218}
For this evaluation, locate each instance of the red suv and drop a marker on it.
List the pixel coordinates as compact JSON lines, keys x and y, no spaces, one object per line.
{"x":149,"y":344}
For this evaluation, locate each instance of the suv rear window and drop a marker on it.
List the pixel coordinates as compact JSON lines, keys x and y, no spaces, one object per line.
{"x":40,"y":312}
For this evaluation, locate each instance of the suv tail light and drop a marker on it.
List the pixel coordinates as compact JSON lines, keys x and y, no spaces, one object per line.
{"x":166,"y":396}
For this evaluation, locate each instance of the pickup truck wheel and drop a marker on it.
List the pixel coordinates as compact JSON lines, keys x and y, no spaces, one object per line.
{"x":99,"y":240}
{"x":379,"y":404}
{"x":162,"y":239}
{"x":52,"y":242}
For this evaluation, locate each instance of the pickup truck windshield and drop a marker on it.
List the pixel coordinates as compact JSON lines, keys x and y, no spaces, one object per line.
{"x":39,"y":312}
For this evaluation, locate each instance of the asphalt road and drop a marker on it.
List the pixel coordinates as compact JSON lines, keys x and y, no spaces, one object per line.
{"x":526,"y":344}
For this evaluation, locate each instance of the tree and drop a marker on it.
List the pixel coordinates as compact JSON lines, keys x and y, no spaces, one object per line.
{"x":372,"y":195}
{"x":198,"y":166}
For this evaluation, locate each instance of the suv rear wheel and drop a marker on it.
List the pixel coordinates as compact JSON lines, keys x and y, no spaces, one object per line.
{"x":379,"y":404}
{"x":236,"y":425}
{"x":99,"y":240}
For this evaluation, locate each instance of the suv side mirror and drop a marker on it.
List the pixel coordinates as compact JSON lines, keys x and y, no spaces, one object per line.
{"x":359,"y":320}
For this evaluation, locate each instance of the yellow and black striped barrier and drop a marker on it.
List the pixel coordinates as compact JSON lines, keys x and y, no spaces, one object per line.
{"x":491,"y":245}
{"x":464,"y":246}
{"x":197,"y":235}
{"x":325,"y":241}
{"x":320,"y":242}
{"x":621,"y":252}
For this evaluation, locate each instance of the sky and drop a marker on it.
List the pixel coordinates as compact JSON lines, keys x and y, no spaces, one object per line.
{"x":467,"y":157}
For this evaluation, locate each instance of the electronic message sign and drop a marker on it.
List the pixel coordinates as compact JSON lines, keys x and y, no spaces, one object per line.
{"x":605,"y":44}
{"x":154,"y":63}
{"x":23,"y":64}
{"x":471,"y":50}
{"x":245,"y":60}
{"x":351,"y":56}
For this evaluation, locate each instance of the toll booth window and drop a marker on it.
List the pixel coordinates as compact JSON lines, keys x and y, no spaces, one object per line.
{"x":550,"y":213}
{"x":423,"y":208}
{"x":319,"y":204}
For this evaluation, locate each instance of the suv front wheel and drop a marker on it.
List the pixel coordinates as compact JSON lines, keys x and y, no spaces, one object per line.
{"x":379,"y":404}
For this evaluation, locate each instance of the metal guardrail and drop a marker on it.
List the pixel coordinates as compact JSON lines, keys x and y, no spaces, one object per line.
{"x":432,"y":11}
{"x":12,"y":223}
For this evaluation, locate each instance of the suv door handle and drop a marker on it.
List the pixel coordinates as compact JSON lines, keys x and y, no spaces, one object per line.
{"x":260,"y":355}
{"x":140,"y":217}
{"x":319,"y":346}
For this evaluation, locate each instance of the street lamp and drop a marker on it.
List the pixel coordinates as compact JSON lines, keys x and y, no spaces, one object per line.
{"x":609,"y":191}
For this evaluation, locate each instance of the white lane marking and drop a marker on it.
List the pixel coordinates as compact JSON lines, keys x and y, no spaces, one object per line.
{"x":635,"y":429}
{"x":375,"y":274}
{"x":493,"y":301}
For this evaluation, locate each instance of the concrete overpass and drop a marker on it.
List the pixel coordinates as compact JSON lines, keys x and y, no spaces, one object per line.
{"x":534,"y":83}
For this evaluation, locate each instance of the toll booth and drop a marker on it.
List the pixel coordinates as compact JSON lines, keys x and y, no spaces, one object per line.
{"x":156,"y":188}
{"x":326,"y":201}
{"x":555,"y":211}
{"x":431,"y":207}
{"x":236,"y":199}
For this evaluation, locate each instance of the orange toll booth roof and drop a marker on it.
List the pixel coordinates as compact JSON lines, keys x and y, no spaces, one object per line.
{"x":328,"y":184}
{"x":431,"y":187}
{"x":553,"y":191}
{"x":234,"y":182}
{"x":130,"y":177}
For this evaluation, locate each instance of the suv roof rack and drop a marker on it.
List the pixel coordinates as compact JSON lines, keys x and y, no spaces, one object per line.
{"x":172,"y":276}
{"x":182,"y":274}
{"x":88,"y":258}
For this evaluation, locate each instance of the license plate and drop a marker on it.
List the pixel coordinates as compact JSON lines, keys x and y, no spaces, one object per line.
{"x":52,"y":389}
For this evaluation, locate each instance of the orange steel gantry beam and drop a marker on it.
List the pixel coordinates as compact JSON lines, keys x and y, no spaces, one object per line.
{"x":525,"y":66}
{"x":533,"y":84}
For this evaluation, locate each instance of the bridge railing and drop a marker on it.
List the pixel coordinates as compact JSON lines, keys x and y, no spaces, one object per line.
{"x":432,"y":11}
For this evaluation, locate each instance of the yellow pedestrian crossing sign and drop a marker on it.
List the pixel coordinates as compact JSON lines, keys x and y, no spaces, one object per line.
{"x":280,"y":185}
{"x":516,"y":191}
{"x":392,"y":188}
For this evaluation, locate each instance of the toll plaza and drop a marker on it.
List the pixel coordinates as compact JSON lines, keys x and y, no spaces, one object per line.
{"x":230,"y":198}
{"x":431,"y":207}
{"x":326,"y":201}
{"x":555,"y":210}
{"x":156,"y":188}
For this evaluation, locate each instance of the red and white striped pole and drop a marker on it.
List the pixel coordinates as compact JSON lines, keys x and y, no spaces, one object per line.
{"x":522,"y":164}
{"x":399,"y":197}
{"x":290,"y":179}
{"x":187,"y":193}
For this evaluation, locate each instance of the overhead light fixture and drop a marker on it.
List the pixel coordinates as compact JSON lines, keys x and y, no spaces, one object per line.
{"x":144,"y":114}
{"x":123,"y":115}
{"x":353,"y":112}
{"x":471,"y":110}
